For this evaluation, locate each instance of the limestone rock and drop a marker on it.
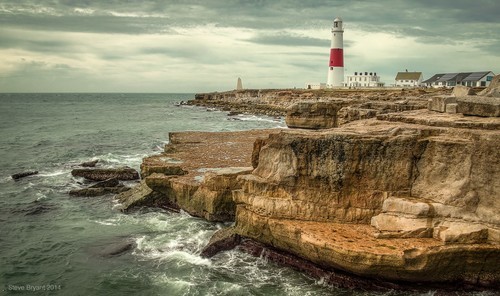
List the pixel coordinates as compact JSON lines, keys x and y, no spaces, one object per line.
{"x":462,"y":91}
{"x":439,"y":103}
{"x":493,"y":90}
{"x":223,"y":240}
{"x":98,"y":191}
{"x":142,"y":195}
{"x":380,"y":198}
{"x":102,"y":174}
{"x":312,"y":115}
{"x":211,"y":198}
{"x":479,"y":106}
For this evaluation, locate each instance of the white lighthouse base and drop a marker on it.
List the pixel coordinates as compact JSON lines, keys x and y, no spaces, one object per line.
{"x":335,"y":77}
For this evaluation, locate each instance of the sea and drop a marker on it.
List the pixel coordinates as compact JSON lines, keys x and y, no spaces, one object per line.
{"x":55,"y":244}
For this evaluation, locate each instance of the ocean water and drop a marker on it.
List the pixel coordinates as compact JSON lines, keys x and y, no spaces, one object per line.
{"x":54,"y":244}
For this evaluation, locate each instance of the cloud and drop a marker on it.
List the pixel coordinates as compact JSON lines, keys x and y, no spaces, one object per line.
{"x":197,"y":45}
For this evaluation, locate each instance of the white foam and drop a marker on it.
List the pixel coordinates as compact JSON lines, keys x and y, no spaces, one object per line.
{"x":54,"y":174}
{"x":40,"y":196}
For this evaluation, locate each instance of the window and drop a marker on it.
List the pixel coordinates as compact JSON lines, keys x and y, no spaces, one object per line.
{"x":489,"y":78}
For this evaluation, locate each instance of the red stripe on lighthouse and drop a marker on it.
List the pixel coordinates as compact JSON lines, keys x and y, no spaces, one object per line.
{"x":336,"y":57}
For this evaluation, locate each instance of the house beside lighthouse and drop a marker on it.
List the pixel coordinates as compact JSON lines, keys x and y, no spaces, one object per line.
{"x":336,"y":63}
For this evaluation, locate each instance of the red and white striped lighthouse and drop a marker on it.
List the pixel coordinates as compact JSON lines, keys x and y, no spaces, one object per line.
{"x":336,"y":65}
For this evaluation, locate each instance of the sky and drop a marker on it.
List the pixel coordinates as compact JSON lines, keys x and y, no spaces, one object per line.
{"x":205,"y":45}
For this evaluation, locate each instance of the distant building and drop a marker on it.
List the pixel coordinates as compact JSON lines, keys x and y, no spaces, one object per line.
{"x":408,"y":79}
{"x":471,"y":79}
{"x":364,"y":79}
{"x":239,"y":85}
{"x":315,"y":85}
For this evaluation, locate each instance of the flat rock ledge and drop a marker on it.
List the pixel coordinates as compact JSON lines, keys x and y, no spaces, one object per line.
{"x":197,"y":173}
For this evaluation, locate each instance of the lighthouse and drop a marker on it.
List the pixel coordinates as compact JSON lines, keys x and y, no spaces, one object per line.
{"x":336,"y":64}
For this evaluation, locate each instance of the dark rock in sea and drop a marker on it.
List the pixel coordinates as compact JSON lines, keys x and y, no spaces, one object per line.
{"x":98,"y":191}
{"x":234,"y":113}
{"x":117,"y":249}
{"x":223,"y":240}
{"x":101,"y":174}
{"x":112,"y":182}
{"x":23,"y":174}
{"x":89,"y":164}
{"x":113,"y":247}
{"x":34,"y":208}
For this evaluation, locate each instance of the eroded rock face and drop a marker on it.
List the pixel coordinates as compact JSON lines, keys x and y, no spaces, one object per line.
{"x":383,"y":199}
{"x":313,"y":115}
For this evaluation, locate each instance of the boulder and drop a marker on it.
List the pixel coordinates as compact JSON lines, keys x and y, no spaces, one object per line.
{"x":493,"y":90}
{"x":439,"y":103}
{"x":223,"y":240}
{"x":90,"y":164}
{"x":313,"y":115}
{"x":142,"y":195}
{"x":462,"y":91}
{"x":112,"y":182}
{"x":24,"y":174}
{"x":479,"y":106}
{"x":98,"y":191}
{"x":101,"y":174}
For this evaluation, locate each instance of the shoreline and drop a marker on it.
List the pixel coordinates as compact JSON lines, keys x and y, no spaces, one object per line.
{"x":268,"y":193}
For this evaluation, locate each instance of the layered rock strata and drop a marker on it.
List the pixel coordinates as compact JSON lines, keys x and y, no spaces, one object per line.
{"x":383,"y":199}
{"x":196,"y":173}
{"x":353,"y":104}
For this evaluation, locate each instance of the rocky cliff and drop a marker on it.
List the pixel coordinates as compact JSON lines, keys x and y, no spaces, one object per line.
{"x":381,"y":198}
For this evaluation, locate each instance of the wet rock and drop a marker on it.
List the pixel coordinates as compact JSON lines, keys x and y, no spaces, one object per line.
{"x":101,"y":174}
{"x":98,"y":191}
{"x":24,"y":174}
{"x":222,"y":240}
{"x":91,"y":163}
{"x":112,"y":247}
{"x":142,"y":195}
{"x":112,"y":182}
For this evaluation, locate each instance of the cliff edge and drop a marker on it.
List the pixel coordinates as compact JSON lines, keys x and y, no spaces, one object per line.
{"x":382,"y":198}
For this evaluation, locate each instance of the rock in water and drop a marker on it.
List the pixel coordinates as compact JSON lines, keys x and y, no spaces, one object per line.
{"x":98,"y":191}
{"x":125,"y":173}
{"x":223,"y":240}
{"x":23,"y":174}
{"x":91,"y":163}
{"x":112,"y":182}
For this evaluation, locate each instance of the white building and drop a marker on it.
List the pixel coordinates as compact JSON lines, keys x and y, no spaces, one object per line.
{"x":363,"y":79}
{"x":315,"y":85}
{"x":408,"y":79}
{"x":471,"y":79}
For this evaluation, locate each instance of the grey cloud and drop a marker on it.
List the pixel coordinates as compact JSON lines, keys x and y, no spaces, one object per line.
{"x":283,"y":38}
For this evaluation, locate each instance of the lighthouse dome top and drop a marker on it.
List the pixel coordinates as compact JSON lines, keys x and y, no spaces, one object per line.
{"x":337,"y":25}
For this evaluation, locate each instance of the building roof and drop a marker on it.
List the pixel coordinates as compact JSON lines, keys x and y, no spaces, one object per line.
{"x":447,"y":77}
{"x":475,"y":76}
{"x":457,"y":77}
{"x":433,"y":78}
{"x":408,"y":75}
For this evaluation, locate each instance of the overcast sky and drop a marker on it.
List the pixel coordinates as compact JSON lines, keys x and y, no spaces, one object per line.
{"x":205,"y":45}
